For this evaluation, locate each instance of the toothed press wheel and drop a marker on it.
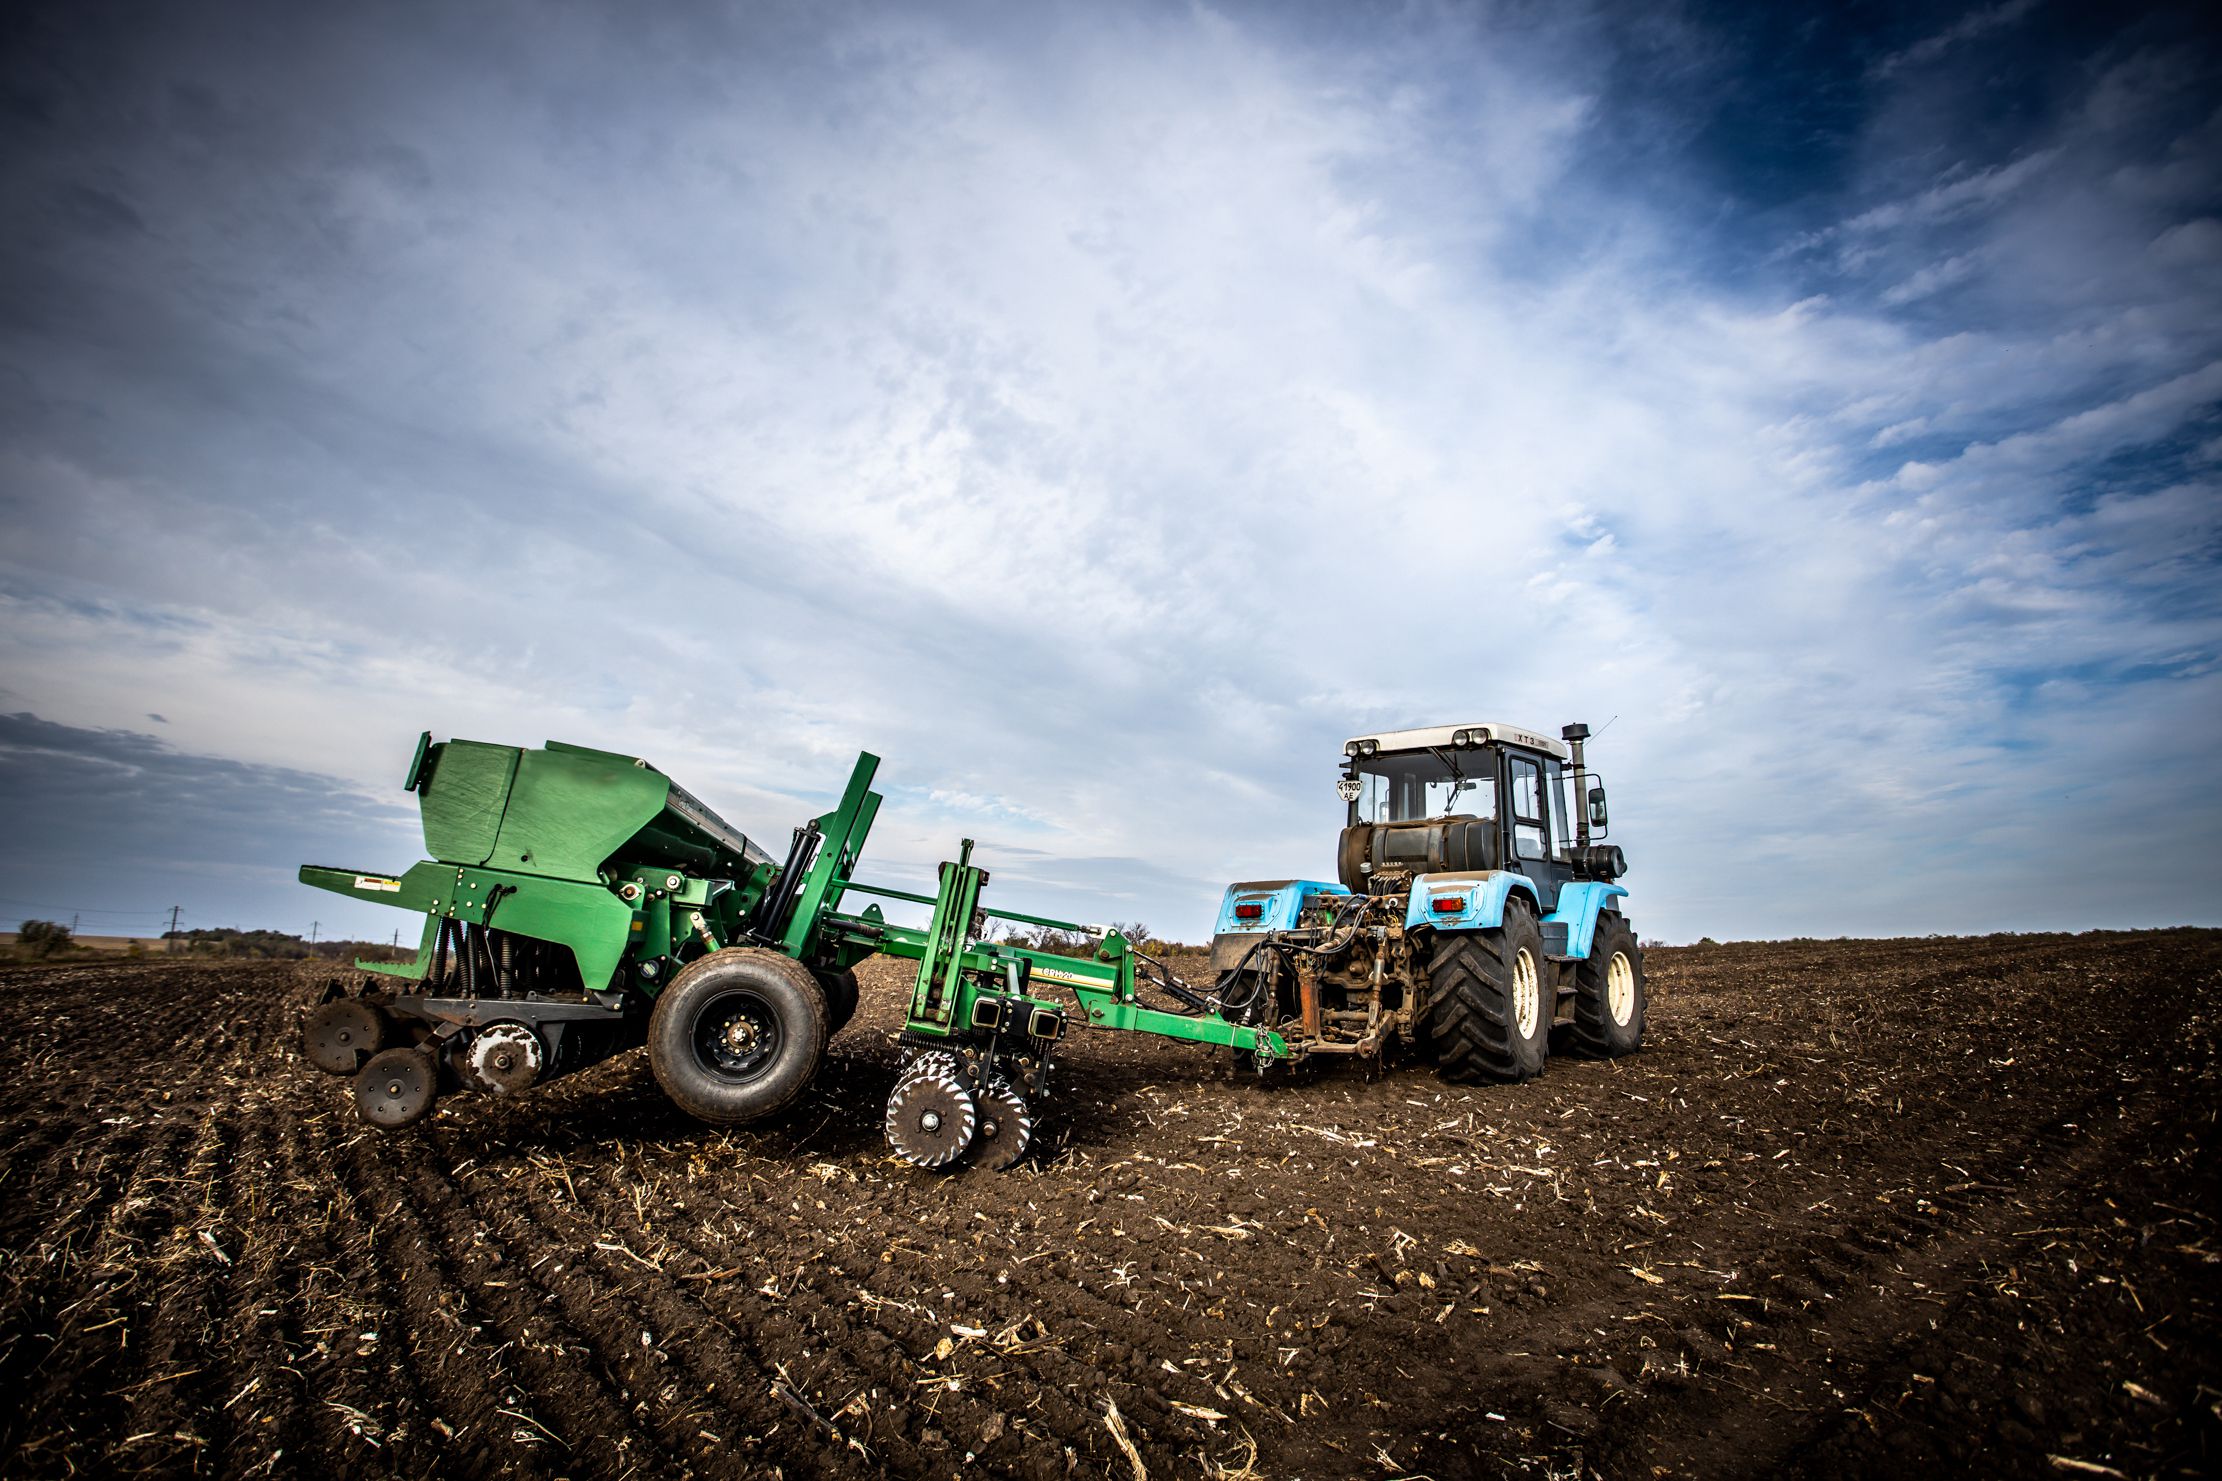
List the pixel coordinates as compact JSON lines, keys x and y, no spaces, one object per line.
{"x":336,"y":1035}
{"x":931,"y":1119}
{"x":931,"y":1062}
{"x":396,"y":1088}
{"x":1006,"y":1128}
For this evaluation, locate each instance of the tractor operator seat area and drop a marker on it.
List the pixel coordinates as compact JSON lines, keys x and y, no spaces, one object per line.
{"x":1408,"y":786}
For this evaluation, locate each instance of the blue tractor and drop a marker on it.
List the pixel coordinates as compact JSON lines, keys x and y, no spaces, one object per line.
{"x":1475,"y":918}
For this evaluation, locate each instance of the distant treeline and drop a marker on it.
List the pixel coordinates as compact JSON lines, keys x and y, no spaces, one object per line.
{"x":228,"y":941}
{"x":1072,"y":943}
{"x":39,"y":940}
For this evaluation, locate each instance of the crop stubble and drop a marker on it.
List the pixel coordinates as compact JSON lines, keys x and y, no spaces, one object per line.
{"x":1859,"y":1207}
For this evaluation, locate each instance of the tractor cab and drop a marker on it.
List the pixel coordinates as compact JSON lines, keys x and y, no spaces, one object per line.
{"x":1462,"y":798}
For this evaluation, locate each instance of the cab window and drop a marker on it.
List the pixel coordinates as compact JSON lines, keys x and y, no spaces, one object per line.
{"x":1410,"y":785}
{"x":1560,"y":823}
{"x":1530,"y":832}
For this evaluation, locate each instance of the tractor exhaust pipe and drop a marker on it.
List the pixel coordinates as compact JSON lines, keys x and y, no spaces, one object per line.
{"x":1591,"y":861}
{"x":1574,"y":735}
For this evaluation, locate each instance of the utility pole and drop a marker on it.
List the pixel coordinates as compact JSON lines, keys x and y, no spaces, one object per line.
{"x":169,"y":942}
{"x":314,"y":926}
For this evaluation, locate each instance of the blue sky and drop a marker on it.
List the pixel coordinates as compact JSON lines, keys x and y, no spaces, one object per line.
{"x":1100,"y":412}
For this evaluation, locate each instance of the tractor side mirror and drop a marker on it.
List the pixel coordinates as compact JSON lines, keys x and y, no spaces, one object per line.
{"x":1597,"y":815}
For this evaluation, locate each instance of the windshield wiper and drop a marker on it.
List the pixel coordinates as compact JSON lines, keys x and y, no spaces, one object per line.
{"x":1457,"y":777}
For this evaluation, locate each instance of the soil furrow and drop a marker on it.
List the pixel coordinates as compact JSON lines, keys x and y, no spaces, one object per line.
{"x":434,"y":1403}
{"x":1858,"y":1208}
{"x":652,"y":1344}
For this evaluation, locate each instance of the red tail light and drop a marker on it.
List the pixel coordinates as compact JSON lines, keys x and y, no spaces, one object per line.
{"x":1249,"y":910}
{"x":1446,"y":904}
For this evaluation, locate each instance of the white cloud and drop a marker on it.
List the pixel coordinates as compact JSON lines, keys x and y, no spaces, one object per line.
{"x":1959,"y":192}
{"x":1099,"y":418}
{"x":1974,"y":25}
{"x":1932,"y":279}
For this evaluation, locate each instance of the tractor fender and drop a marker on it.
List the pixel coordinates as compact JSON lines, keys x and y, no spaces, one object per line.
{"x":1479,"y":893}
{"x":1278,"y":904}
{"x":1579,"y":905}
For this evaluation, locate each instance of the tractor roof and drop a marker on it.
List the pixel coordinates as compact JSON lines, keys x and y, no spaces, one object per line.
{"x":1442,"y":736}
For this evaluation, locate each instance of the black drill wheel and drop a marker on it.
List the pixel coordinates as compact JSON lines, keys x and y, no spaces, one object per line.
{"x":1006,"y":1127}
{"x":336,"y":1036}
{"x":396,"y":1088}
{"x":738,"y":1034}
{"x":931,"y":1119}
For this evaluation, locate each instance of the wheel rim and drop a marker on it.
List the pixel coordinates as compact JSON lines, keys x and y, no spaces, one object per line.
{"x":1620,"y":988}
{"x":1527,"y":1000}
{"x":736,"y":1036}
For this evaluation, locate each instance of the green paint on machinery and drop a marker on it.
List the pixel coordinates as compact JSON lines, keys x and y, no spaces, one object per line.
{"x":579,"y":902}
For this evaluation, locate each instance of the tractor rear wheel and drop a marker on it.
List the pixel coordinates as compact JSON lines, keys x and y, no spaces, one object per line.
{"x":737,"y":1035}
{"x":1489,"y":996}
{"x":841,"y":996}
{"x":1609,"y":993}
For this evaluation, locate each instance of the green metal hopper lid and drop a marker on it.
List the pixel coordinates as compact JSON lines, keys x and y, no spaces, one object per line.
{"x":568,"y":811}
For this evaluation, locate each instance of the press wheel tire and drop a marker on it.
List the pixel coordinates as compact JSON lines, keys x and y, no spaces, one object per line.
{"x":1490,"y":995}
{"x":841,"y":994}
{"x":397,"y":1088}
{"x":1609,"y":998}
{"x":338,"y":1036}
{"x":737,"y":1035}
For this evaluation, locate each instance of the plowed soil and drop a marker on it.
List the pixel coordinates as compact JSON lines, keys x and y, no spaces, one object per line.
{"x":1858,"y":1208}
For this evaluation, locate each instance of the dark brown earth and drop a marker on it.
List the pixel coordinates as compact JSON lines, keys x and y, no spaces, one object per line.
{"x":1859,"y":1208}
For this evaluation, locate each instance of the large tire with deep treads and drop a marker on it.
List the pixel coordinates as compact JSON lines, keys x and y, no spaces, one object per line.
{"x":1489,"y":1001}
{"x":737,"y":1035}
{"x":1609,"y":997}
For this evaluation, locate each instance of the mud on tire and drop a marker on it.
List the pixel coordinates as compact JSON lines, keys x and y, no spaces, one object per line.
{"x":1609,"y":1022}
{"x":1476,"y":987}
{"x":738,"y":1034}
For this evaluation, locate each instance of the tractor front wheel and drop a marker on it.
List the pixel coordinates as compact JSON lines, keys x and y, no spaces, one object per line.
{"x":1489,"y":1001}
{"x":737,"y":1035}
{"x":1609,"y":993}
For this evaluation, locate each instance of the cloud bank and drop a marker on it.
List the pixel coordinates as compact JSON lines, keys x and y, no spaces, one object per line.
{"x":1100,"y":415}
